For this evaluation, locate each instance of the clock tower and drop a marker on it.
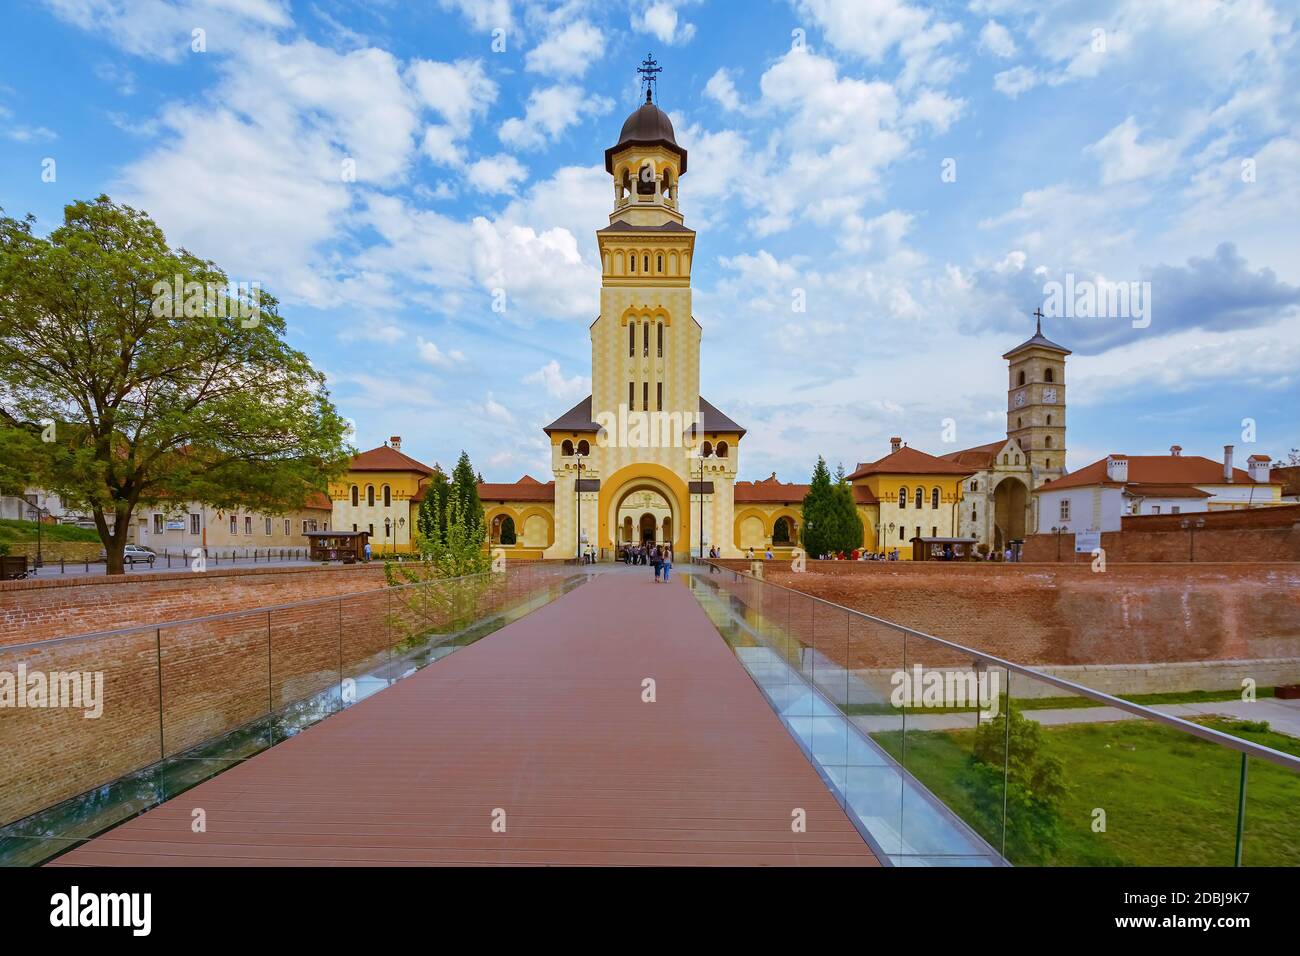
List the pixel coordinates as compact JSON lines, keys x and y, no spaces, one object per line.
{"x":1036,"y":403}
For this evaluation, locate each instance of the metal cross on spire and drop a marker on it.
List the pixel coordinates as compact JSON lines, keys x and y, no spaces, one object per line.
{"x":1038,"y":314}
{"x":649,"y":70}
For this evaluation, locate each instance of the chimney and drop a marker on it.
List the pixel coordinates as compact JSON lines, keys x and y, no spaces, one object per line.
{"x":1176,"y":450}
{"x":1227,"y":463}
{"x":396,"y":442}
{"x":1117,"y":468}
{"x":1259,"y":468}
{"x":894,"y":444}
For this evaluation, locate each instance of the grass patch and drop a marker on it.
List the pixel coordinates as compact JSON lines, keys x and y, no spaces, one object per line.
{"x":13,"y":531}
{"x":1061,"y":703}
{"x":1170,"y":799}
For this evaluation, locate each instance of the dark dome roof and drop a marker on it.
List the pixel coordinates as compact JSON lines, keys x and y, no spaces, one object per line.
{"x":647,"y":125}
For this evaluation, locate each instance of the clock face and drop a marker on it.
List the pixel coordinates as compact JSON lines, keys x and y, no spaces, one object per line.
{"x":1020,"y":399}
{"x":1049,"y":394}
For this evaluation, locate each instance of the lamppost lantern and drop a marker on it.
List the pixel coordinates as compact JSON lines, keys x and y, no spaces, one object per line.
{"x":577,"y":491}
{"x":700,"y":455}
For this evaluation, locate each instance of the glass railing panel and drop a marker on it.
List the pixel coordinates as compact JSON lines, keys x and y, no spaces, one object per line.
{"x":1268,"y":831}
{"x":306,"y":650}
{"x":216,"y":676}
{"x":89,"y":715}
{"x":1095,"y":785}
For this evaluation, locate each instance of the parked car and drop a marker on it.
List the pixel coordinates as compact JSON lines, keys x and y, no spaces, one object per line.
{"x":133,"y":554}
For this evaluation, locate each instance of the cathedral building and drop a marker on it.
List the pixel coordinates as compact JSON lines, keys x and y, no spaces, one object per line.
{"x":645,"y":458}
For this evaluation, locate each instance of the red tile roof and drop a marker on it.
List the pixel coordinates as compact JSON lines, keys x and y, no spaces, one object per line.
{"x":319,"y":501}
{"x":980,"y":457}
{"x":387,"y":458}
{"x":910,"y":461}
{"x":526,"y":488}
{"x":769,"y":491}
{"x":1154,"y":470}
{"x":1142,"y":490}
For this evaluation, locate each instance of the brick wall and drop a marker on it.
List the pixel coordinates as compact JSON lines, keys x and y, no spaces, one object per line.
{"x":1209,"y":544}
{"x":168,"y":689}
{"x":1046,"y":614}
{"x":37,"y":610}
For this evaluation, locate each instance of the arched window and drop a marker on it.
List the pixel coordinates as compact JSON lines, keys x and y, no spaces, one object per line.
{"x":781,"y":531}
{"x":974,"y":486}
{"x":1049,"y":375}
{"x":1017,"y":421}
{"x":388,"y":497}
{"x":920,"y":497}
{"x":706,"y":449}
{"x":660,"y":333}
{"x":973,"y":515}
{"x":1049,"y":419}
{"x":584,"y":448}
{"x":721,"y":450}
{"x":1006,"y":459}
{"x":1022,"y":374}
{"x":1017,"y":459}
{"x":631,"y":340}
{"x":934,"y":498}
{"x":632,"y":262}
{"x":1049,"y":463}
{"x":1048,"y":441}
{"x":370,"y":496}
{"x":356,"y":496}
{"x":566,"y":448}
{"x":902,"y":533}
{"x":902,"y":497}
{"x":645,"y":340}
{"x":647,"y":262}
{"x":659,"y":264}
{"x":631,"y":396}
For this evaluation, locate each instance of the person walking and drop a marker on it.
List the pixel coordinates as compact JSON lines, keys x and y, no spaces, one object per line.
{"x":657,"y":560}
{"x":668,"y":561}
{"x":367,"y":551}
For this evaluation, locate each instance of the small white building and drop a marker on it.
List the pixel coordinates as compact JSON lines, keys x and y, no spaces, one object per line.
{"x":1098,"y":496}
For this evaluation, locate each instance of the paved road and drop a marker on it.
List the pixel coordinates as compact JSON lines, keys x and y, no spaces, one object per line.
{"x":543,"y":726}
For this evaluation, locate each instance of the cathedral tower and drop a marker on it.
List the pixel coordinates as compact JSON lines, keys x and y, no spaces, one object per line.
{"x":1036,"y":403}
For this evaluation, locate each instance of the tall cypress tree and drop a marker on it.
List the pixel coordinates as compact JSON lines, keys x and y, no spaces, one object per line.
{"x":432,"y":520}
{"x":830,"y":516}
{"x":464,"y":488}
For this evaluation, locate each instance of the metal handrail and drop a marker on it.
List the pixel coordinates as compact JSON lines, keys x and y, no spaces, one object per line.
{"x":1186,"y":726}
{"x":226,"y":615}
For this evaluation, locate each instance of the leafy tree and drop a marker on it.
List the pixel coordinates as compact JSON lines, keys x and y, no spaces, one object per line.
{"x":1034,"y":786}
{"x":464,"y":489}
{"x":830,"y":516}
{"x":156,"y":397}
{"x":432,"y":518}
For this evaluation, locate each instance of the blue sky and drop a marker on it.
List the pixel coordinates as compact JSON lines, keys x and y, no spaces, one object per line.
{"x":1110,"y":140}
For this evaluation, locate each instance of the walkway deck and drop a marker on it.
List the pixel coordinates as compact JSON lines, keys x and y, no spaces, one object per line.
{"x":545,"y":720}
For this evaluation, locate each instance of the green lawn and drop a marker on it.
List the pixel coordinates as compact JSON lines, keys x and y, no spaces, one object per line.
{"x":1170,"y":799}
{"x":13,"y":531}
{"x":1063,"y":703}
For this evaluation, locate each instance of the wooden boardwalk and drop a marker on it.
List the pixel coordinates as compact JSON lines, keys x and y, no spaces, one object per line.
{"x":542,"y":722}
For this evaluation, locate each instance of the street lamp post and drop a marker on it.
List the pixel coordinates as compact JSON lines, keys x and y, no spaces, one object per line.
{"x":701,"y":456}
{"x":577,"y":485}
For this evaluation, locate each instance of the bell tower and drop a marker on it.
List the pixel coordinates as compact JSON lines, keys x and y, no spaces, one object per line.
{"x":1036,"y":403}
{"x":645,"y":344}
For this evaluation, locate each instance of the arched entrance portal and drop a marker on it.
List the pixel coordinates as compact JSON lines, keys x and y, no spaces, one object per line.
{"x":1010,"y":501}
{"x":632,"y":492}
{"x":644,"y":515}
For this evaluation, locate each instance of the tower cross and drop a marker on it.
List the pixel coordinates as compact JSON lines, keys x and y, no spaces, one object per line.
{"x":1038,"y":314}
{"x":649,"y":70}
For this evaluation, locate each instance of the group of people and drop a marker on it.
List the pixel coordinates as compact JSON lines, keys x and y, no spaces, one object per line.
{"x":660,"y":556}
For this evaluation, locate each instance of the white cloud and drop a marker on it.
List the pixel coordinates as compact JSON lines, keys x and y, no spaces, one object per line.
{"x":164,"y":31}
{"x":496,"y":411}
{"x":567,"y":52}
{"x":482,"y":15}
{"x":722,"y":90}
{"x":1123,"y":159}
{"x":458,"y":91}
{"x":550,"y":111}
{"x":935,"y":109}
{"x":553,"y":382}
{"x":430,"y":354}
{"x":1016,"y":80}
{"x":872,"y":29}
{"x":996,"y":39}
{"x":496,"y":174}
{"x":661,"y":21}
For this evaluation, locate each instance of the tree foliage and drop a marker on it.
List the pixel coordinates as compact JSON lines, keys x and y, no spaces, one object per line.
{"x":155,"y":399}
{"x":830,"y":516}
